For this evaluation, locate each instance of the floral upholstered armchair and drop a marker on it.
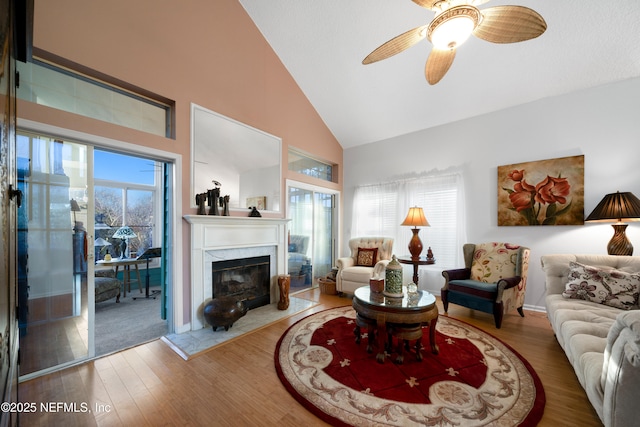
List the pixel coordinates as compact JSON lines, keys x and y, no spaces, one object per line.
{"x":494,"y":279}
{"x":369,"y":258}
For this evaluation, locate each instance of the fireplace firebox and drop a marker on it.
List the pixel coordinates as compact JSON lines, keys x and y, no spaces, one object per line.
{"x":245,"y":279}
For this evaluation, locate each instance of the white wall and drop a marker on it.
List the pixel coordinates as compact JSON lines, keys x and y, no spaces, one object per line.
{"x":602,"y":123}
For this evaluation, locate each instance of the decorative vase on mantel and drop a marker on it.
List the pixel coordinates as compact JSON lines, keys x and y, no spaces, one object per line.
{"x":393,"y":279}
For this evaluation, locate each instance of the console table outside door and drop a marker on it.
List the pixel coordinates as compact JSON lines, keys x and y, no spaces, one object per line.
{"x":126,"y":264}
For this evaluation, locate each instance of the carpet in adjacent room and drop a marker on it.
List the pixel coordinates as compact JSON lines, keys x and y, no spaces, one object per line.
{"x":127,"y":323}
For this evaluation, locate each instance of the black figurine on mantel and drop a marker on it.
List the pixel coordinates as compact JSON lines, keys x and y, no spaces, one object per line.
{"x":254,"y":212}
{"x":201,"y":200}
{"x":225,"y":205}
{"x":213,"y":196}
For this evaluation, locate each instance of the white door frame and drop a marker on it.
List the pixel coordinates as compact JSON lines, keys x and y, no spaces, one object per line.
{"x":318,"y":189}
{"x":175,"y":299}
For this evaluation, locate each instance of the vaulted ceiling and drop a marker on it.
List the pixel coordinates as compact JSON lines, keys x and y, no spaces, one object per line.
{"x":322,"y":44}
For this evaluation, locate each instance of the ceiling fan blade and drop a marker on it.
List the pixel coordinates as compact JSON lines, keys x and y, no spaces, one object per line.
{"x":397,"y":44}
{"x":427,"y":4}
{"x":509,"y":24}
{"x":438,"y":64}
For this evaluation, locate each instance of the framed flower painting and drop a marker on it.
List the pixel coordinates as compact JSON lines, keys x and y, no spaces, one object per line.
{"x":543,"y":192}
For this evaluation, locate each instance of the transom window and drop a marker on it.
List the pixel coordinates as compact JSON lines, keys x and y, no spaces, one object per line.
{"x":305,"y":165}
{"x":59,"y":88}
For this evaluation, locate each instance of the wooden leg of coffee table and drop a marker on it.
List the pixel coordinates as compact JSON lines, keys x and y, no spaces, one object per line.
{"x":419,"y":349}
{"x":432,"y":336}
{"x":381,"y":333}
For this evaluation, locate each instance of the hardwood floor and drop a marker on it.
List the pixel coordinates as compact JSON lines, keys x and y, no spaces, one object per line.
{"x":235,"y":384}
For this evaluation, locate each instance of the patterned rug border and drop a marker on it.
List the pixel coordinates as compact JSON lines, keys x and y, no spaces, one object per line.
{"x":533,"y":417}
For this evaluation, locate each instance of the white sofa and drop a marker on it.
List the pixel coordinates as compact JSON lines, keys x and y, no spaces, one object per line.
{"x":601,"y":342}
{"x":350,"y":275}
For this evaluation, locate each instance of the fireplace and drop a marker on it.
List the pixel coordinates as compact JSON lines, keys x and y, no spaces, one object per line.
{"x":224,"y":238}
{"x":246,"y":279}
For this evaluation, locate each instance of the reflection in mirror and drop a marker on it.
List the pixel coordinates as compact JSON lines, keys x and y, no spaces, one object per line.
{"x":244,"y":160}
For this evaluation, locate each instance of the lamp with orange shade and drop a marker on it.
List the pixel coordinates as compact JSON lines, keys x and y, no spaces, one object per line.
{"x":415,"y":218}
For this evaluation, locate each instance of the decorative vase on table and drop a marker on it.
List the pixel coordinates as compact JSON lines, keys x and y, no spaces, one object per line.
{"x":393,"y":279}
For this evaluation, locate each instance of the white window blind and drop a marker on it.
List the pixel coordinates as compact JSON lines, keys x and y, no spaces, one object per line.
{"x":379,"y":209}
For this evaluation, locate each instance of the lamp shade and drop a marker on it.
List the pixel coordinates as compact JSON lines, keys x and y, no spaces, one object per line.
{"x":124,"y":232}
{"x":75,"y":207}
{"x":415,"y":218}
{"x":452,"y":27}
{"x":101,"y":242}
{"x":616,"y":207}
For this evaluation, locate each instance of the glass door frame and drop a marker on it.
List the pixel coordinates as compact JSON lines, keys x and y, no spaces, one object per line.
{"x":335,"y":229}
{"x":56,"y":185}
{"x":174,"y":275}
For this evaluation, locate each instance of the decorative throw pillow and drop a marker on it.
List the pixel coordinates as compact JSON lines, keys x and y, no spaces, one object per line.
{"x":367,"y":257}
{"x":293,"y":247}
{"x":603,"y":285}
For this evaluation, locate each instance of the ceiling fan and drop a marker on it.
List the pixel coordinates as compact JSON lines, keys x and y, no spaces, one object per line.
{"x":454,"y":22}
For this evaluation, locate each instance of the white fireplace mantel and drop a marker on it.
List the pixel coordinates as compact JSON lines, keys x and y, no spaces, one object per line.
{"x":211,"y":233}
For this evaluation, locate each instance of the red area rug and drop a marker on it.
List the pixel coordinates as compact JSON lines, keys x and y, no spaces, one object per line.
{"x":475,"y":380}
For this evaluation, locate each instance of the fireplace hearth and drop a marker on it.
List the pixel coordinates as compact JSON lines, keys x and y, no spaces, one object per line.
{"x":244,"y":279}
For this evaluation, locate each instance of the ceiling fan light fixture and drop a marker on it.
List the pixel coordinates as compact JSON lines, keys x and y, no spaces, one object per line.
{"x":453,"y":27}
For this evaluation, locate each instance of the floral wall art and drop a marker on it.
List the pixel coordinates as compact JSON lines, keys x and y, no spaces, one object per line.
{"x":543,"y":192}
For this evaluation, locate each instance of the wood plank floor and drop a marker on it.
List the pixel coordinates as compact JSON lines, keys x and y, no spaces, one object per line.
{"x":235,"y":384}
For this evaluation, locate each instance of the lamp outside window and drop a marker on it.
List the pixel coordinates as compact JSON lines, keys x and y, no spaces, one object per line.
{"x":616,"y":207}
{"x":101,"y":244}
{"x":75,"y":207}
{"x":415,"y":218}
{"x":125,"y":233}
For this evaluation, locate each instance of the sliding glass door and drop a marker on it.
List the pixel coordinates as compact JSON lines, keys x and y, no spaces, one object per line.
{"x":54,"y":319}
{"x":84,"y":290}
{"x":312,"y":233}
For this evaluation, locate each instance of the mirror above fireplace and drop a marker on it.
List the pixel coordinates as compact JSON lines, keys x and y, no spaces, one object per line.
{"x":244,"y":160}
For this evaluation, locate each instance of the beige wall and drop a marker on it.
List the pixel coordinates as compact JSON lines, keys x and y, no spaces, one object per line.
{"x":189,"y":51}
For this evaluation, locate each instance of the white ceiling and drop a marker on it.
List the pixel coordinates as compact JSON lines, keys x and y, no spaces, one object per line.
{"x":322,"y":44}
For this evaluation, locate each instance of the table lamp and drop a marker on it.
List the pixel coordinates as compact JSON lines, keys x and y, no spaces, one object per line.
{"x":616,"y":207}
{"x":101,"y":244}
{"x":75,"y":207}
{"x":415,"y":218}
{"x":125,"y":233}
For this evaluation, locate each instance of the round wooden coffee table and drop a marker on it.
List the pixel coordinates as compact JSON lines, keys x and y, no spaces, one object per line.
{"x":400,"y":317}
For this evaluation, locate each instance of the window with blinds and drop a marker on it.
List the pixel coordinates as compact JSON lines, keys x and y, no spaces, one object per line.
{"x":379,"y":209}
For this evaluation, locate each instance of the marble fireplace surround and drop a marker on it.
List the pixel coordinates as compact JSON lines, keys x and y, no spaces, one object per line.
{"x":227,"y":237}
